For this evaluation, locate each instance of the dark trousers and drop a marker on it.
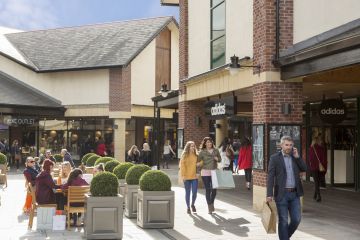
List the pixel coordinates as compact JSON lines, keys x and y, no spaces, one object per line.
{"x":248,"y":174}
{"x":322,"y":179}
{"x":167,"y":158}
{"x":210,"y":192}
{"x":316,"y":177}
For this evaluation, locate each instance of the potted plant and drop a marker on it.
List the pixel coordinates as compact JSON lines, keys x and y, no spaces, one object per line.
{"x":110,"y":165}
{"x":120,"y":171}
{"x":86,"y":157}
{"x":103,"y":160}
{"x":58,"y":158}
{"x":3,"y":168}
{"x":155,"y":201}
{"x":131,"y":188}
{"x":90,"y":162}
{"x":104,"y":208}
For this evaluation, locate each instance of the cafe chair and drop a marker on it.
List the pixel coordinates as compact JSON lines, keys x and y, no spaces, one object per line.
{"x":35,"y":205}
{"x":75,"y":194}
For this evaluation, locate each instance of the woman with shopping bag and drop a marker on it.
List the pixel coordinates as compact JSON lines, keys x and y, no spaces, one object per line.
{"x":188,"y":165}
{"x":210,"y":158}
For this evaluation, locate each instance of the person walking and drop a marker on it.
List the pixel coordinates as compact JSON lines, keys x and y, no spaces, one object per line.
{"x":188,"y":164}
{"x":16,"y":154}
{"x":284,"y":186}
{"x":317,"y":164}
{"x":227,"y":154}
{"x":210,"y":158}
{"x":168,"y":152}
{"x":67,"y":157}
{"x":245,"y":160}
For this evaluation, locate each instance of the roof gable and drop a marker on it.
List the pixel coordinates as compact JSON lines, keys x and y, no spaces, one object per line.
{"x":85,"y":47}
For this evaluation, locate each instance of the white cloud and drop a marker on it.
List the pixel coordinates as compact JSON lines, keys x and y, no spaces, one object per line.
{"x":27,"y":14}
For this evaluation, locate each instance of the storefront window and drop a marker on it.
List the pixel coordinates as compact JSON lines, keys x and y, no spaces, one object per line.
{"x":52,"y":135}
{"x":217,"y":40}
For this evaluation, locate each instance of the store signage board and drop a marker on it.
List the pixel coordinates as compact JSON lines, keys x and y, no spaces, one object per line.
{"x":19,"y":120}
{"x":332,"y":111}
{"x":220,"y":108}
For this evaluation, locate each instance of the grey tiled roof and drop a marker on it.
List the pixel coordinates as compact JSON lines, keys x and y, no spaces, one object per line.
{"x":15,"y":92}
{"x":90,"y":46}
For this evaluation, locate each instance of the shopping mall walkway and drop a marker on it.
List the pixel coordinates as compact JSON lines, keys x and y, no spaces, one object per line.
{"x":335,"y":218}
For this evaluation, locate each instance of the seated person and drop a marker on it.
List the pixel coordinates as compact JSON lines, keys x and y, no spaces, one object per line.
{"x":45,"y":184}
{"x":98,"y":169}
{"x":64,"y":173}
{"x":75,"y":179}
{"x":30,"y":174}
{"x":37,"y":165}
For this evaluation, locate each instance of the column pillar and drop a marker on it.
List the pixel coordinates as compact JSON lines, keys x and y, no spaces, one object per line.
{"x":221,"y":132}
{"x":119,"y":139}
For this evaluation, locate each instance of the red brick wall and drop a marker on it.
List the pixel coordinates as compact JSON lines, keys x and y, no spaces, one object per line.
{"x":264,"y":31}
{"x":120,"y":89}
{"x":188,"y":111}
{"x":183,"y":40}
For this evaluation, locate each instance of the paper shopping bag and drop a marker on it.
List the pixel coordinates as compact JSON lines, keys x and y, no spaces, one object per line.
{"x":45,"y":218}
{"x":59,"y":222}
{"x":222,"y":179}
{"x":268,"y":217}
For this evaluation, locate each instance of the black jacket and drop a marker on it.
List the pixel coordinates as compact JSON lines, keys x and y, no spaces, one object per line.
{"x":276,"y":179}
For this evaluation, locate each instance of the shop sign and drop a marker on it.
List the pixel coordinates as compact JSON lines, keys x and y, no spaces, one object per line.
{"x":220,"y":108}
{"x":332,"y":111}
{"x":12,"y":120}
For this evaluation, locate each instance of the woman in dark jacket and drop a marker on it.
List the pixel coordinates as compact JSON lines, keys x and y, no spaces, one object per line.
{"x":133,"y":155}
{"x":30,"y":174}
{"x":45,"y":184}
{"x":145,"y":155}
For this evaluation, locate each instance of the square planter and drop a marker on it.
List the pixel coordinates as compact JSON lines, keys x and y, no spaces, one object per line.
{"x":89,"y":170}
{"x":103,"y":217}
{"x":155,"y":209}
{"x":131,"y":192}
{"x":122,"y":184}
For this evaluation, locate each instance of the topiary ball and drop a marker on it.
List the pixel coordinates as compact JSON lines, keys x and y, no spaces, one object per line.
{"x":58,"y":158}
{"x":109,"y":166}
{"x":3,"y":159}
{"x":134,"y":173}
{"x":121,"y":169}
{"x":86,"y":157}
{"x":103,"y":160}
{"x":91,"y":160}
{"x":104,"y":184}
{"x":155,"y":180}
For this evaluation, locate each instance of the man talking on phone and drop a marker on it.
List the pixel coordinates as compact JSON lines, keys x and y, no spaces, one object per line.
{"x":284,"y":186}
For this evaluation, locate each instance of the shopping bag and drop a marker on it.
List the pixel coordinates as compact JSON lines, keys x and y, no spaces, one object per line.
{"x":268,"y":217}
{"x":222,"y":179}
{"x":154,"y":168}
{"x":45,"y":218}
{"x":87,"y":177}
{"x":59,"y":222}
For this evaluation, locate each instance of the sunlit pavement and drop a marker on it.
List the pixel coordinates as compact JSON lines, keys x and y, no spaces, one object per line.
{"x":233,"y":219}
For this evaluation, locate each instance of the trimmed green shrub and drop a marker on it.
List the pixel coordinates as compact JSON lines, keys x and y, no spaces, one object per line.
{"x":134,"y":173}
{"x":91,"y":160}
{"x":104,"y":184}
{"x":109,"y":166}
{"x":3,"y":159}
{"x":86,"y":157}
{"x":58,"y":158}
{"x":103,"y":160}
{"x":121,"y":169}
{"x":155,"y":180}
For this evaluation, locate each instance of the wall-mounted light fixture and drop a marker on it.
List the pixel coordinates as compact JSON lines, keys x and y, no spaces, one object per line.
{"x":234,"y":65}
{"x":164,"y":92}
{"x":286,"y":108}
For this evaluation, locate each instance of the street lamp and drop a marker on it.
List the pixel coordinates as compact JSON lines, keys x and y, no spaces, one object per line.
{"x":234,"y":65}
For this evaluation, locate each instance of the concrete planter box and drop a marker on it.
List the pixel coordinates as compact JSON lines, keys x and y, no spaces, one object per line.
{"x":122,"y":184}
{"x":131,"y":192}
{"x":103,"y":217}
{"x":89,"y":170}
{"x":155,"y":209}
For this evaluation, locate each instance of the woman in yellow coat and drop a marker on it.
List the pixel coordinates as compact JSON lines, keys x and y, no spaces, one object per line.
{"x":188,"y":165}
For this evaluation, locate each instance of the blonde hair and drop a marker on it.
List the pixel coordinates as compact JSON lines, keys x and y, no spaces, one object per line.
{"x":130,"y":152}
{"x":186,"y":151}
{"x":68,"y":166}
{"x":146,"y":147}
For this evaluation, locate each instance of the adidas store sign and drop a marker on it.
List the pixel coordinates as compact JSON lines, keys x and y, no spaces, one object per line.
{"x":332,"y":111}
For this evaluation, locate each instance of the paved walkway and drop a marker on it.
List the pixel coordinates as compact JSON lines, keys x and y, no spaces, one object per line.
{"x":335,"y":218}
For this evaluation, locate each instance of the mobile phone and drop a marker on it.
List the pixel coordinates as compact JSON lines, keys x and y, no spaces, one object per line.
{"x":292,"y":152}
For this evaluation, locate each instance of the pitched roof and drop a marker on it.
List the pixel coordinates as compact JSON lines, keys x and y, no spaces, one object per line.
{"x":85,"y":47}
{"x":15,"y":92}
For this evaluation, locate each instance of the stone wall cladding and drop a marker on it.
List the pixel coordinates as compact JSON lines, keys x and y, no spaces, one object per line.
{"x":120,"y":89}
{"x":188,"y":111}
{"x":264,"y":31}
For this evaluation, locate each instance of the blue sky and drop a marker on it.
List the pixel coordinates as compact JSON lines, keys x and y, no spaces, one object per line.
{"x":44,"y":14}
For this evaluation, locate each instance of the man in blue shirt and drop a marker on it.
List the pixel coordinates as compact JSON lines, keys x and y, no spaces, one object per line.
{"x":284,"y":186}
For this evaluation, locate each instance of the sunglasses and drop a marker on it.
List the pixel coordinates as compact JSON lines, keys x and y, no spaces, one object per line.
{"x":31,"y":161}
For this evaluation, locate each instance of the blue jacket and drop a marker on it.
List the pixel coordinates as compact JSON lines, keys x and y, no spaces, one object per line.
{"x":276,"y":179}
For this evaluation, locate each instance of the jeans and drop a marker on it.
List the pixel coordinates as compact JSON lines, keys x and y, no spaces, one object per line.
{"x":210,"y":192}
{"x":190,"y":186}
{"x":248,"y":174}
{"x":289,"y":204}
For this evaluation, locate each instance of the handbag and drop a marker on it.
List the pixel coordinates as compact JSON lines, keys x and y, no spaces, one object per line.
{"x":268,"y":217}
{"x":221,"y":179}
{"x":321,"y":167}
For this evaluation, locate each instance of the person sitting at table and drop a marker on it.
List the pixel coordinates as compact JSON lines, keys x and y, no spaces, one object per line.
{"x":98,"y":169}
{"x":75,"y":179}
{"x":30,"y":174}
{"x":45,"y":184}
{"x":64,"y":173}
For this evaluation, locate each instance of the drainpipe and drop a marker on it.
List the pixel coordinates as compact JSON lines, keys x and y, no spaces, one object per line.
{"x":275,"y":60}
